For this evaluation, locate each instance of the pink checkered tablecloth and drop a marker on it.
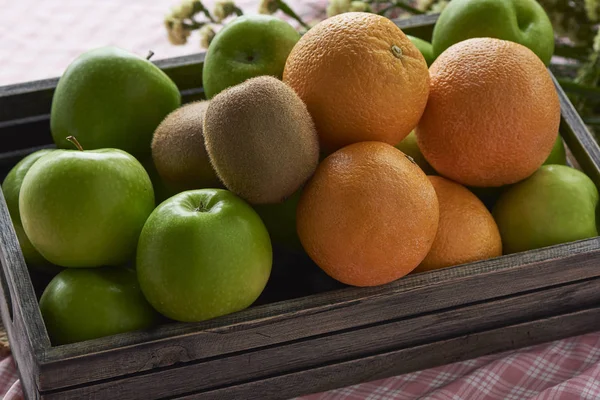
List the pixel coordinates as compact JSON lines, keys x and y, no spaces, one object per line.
{"x":566,"y":369}
{"x":38,"y":39}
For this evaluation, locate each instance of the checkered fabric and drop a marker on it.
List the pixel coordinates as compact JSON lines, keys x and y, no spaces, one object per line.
{"x":10,"y":388}
{"x":567,"y":369}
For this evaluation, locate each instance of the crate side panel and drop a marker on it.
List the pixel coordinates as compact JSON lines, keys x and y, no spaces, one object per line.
{"x":402,"y":333}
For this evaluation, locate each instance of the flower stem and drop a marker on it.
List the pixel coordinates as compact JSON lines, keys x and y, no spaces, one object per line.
{"x":238,"y":11}
{"x":200,"y":8}
{"x":289,"y":12}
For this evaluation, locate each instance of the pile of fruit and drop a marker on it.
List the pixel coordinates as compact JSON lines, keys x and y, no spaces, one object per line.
{"x":342,"y":145}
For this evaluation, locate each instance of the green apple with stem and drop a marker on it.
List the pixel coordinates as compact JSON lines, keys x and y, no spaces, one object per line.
{"x":248,"y":46}
{"x":89,"y":303}
{"x":85,"y":208}
{"x":520,"y":21}
{"x":202,"y":254}
{"x":111,"y":98}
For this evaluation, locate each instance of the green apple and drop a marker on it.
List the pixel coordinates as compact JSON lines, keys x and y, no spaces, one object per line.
{"x":410,"y":147}
{"x":557,"y":204}
{"x":202,"y":254}
{"x":248,"y":46}
{"x":424,"y":47}
{"x":111,"y":98}
{"x":86,"y":208}
{"x":521,"y":21}
{"x":558,"y":154}
{"x":88,"y":303}
{"x":11,"y":187}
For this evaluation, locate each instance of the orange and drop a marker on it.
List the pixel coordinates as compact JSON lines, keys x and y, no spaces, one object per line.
{"x":361,"y":78}
{"x":368,"y":215}
{"x":466,"y":231}
{"x":492,"y":115}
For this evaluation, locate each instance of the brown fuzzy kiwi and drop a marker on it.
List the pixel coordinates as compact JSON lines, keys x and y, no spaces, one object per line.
{"x":261,"y":140}
{"x":178,"y":149}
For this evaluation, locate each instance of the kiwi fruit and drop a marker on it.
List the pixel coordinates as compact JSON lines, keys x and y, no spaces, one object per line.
{"x":178,"y":149}
{"x":261,"y":140}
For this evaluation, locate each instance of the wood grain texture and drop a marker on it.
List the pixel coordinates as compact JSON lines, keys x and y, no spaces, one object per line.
{"x":578,"y":138}
{"x":379,"y":366}
{"x":348,"y":344}
{"x":20,"y":312}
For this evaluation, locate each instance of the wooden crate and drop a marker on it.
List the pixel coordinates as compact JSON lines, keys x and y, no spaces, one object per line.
{"x":316,"y":338}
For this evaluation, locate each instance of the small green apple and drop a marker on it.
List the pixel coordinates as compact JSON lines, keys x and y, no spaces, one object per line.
{"x":11,"y":187}
{"x":202,"y":254}
{"x":88,"y":303}
{"x":521,"y":21}
{"x":557,"y":204}
{"x":248,"y":46}
{"x":86,"y":208}
{"x":111,"y":98}
{"x":424,"y":47}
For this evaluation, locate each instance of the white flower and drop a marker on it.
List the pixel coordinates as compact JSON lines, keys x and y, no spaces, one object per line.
{"x":178,"y":33}
{"x":207,"y":34}
{"x":336,"y":7}
{"x":268,"y":7}
{"x":223,"y":9}
{"x":183,"y":10}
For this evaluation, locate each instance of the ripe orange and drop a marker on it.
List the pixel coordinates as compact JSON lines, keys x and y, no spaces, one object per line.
{"x":492,"y":115}
{"x":361,"y":78}
{"x":466,"y":231}
{"x":368,"y":216}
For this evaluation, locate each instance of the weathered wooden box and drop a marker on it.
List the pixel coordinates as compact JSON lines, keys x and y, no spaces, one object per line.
{"x":311,"y":339}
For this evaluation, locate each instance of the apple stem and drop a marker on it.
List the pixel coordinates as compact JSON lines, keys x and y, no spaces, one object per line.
{"x":150,"y":54}
{"x":201,"y":207}
{"x":74,"y":140}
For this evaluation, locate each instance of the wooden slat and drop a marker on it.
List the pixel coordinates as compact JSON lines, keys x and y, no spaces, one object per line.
{"x":578,"y":138}
{"x":352,"y":343}
{"x":379,"y":366}
{"x":19,"y":307}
